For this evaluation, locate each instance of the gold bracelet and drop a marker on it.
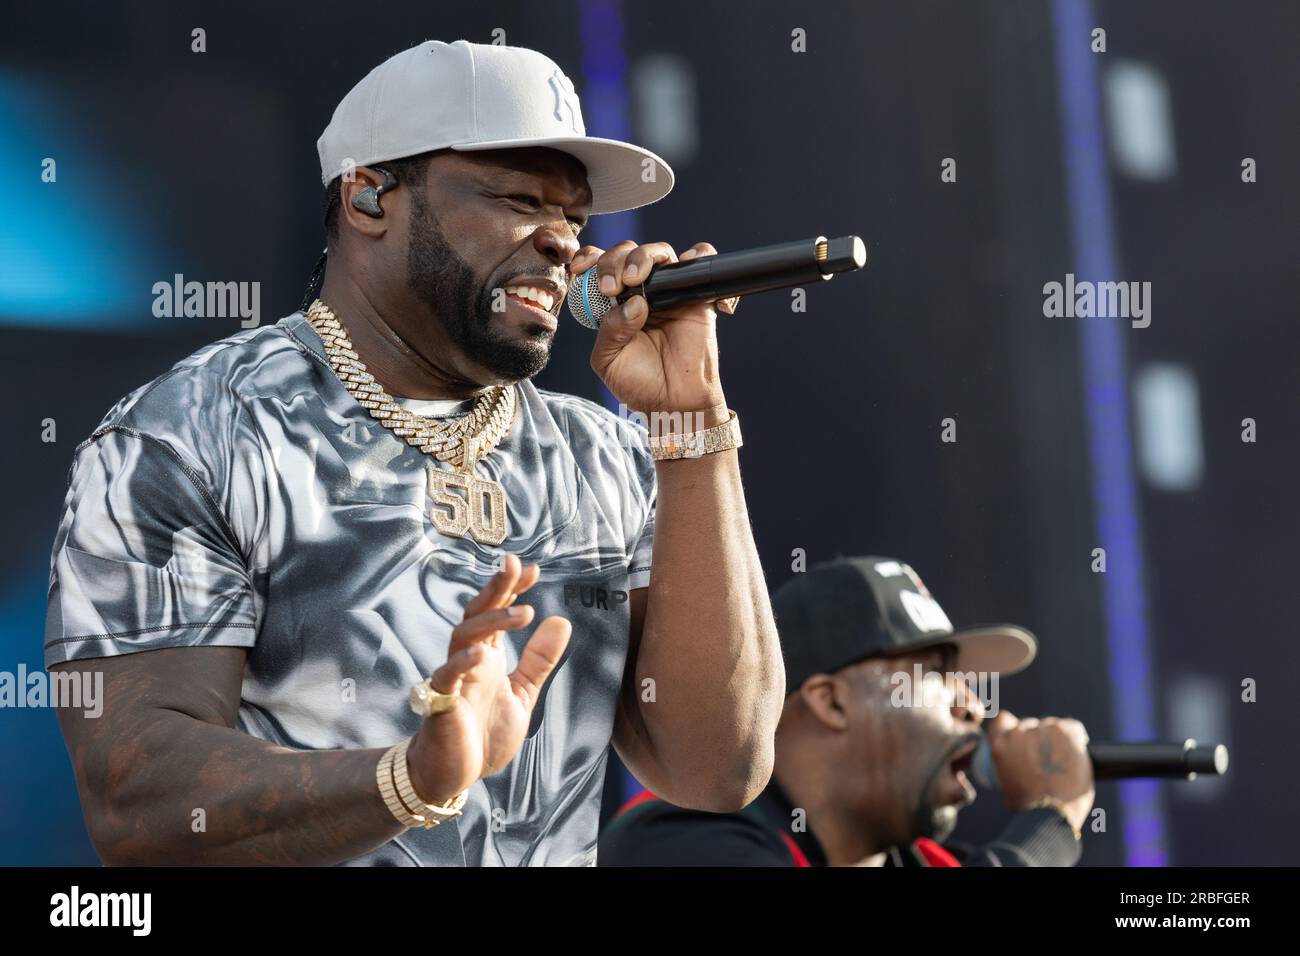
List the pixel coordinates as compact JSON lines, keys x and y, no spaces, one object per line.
{"x":675,"y":445}
{"x":1059,"y":807}
{"x":388,"y":790}
{"x":430,"y":814}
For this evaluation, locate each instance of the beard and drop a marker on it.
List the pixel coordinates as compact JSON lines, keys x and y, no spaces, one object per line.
{"x":444,"y":282}
{"x":937,"y":823}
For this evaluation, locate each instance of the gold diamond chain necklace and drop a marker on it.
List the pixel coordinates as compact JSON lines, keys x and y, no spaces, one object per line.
{"x":463,"y":504}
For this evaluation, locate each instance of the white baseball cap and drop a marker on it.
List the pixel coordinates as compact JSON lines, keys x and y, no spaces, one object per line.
{"x":474,"y":96}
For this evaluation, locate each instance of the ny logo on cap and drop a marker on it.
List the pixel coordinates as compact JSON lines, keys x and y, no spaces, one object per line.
{"x":890,"y":569}
{"x":925,"y":612}
{"x":566,"y":98}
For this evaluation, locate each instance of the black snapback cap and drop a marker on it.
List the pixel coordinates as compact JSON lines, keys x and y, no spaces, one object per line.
{"x":844,"y":611}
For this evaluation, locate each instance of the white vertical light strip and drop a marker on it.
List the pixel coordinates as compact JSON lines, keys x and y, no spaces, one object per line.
{"x":665,"y":107}
{"x":1130,"y":657}
{"x":1139,"y":124}
{"x":1198,"y":708}
{"x":1168,"y":425}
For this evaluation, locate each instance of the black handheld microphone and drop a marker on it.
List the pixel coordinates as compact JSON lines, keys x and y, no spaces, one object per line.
{"x":709,"y":278}
{"x":1123,"y":761}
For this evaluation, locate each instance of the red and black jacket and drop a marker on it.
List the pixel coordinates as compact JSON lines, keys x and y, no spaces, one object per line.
{"x":647,"y":831}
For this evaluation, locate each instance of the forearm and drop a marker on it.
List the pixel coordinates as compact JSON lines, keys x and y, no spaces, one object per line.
{"x":709,"y":642}
{"x":182,"y":791}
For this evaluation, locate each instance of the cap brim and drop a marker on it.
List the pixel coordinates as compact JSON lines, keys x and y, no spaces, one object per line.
{"x":996,"y":648}
{"x":615,"y":170}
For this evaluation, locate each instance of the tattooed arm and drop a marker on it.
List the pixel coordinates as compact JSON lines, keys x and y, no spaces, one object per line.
{"x":164,"y":747}
{"x":1043,"y":760}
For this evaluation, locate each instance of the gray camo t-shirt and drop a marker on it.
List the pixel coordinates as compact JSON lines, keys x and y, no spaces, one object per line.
{"x":245,"y":499}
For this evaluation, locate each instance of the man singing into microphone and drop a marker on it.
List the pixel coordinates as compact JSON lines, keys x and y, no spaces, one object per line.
{"x":871,"y":764}
{"x":359,"y":591}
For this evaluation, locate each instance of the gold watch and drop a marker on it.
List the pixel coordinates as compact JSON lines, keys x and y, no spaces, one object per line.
{"x":675,"y":445}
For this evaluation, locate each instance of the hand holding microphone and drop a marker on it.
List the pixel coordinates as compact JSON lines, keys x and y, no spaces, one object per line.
{"x":1040,"y":760}
{"x":669,"y":363}
{"x":1004,"y":761}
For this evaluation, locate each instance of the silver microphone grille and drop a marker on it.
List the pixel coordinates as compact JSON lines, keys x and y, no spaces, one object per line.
{"x":587,"y":303}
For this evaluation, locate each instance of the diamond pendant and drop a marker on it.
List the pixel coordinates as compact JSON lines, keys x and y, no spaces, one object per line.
{"x":465,"y":505}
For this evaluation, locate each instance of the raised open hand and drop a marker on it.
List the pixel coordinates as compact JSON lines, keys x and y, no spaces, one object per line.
{"x":483,"y":732}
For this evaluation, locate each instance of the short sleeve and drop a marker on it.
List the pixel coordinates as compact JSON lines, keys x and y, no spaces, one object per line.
{"x":143,"y":558}
{"x":638,"y":569}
